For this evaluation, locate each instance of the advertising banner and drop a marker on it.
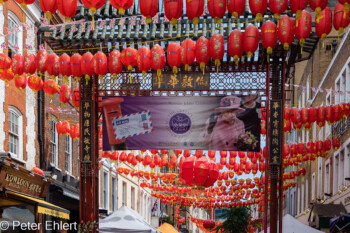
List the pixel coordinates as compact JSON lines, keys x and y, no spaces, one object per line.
{"x":227,"y":123}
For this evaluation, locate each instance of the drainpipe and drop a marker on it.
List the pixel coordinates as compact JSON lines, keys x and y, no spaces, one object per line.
{"x":40,"y":102}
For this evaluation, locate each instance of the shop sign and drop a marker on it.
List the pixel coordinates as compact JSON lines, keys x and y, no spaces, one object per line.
{"x":86,"y":131}
{"x":21,"y":182}
{"x":275,"y":132}
{"x":190,"y":81}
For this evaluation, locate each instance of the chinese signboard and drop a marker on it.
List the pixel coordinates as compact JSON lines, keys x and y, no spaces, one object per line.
{"x":275,"y":131}
{"x":86,"y":131}
{"x":190,"y":81}
{"x":228,"y":123}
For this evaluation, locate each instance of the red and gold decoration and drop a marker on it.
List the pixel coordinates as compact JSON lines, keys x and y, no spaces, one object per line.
{"x":173,"y":10}
{"x":217,"y":9}
{"x":158,"y":59}
{"x":149,"y":9}
{"x":122,"y":5}
{"x":258,"y":8}
{"x":187,"y":53}
{"x":144,"y":59}
{"x":194,"y":9}
{"x":174,"y":56}
{"x":49,"y":7}
{"x":217,"y":48}
{"x":269,"y":36}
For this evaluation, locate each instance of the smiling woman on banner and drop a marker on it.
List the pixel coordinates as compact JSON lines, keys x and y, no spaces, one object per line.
{"x":223,"y":128}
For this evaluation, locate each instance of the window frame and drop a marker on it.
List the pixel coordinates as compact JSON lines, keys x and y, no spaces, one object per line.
{"x":53,"y":130}
{"x":70,"y":153}
{"x":105,"y":191}
{"x":114,"y":193}
{"x":15,"y":111}
{"x":17,"y":23}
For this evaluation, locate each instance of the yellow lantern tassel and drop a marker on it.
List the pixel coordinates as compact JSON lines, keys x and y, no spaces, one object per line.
{"x":65,"y":79}
{"x":202,"y":66}
{"x":48,"y":15}
{"x":130,"y":78}
{"x":87,"y":78}
{"x":159,"y":73}
{"x":93,"y":22}
{"x":129,"y":67}
{"x":100,"y":77}
{"x":92,"y":12}
{"x":217,"y":64}
{"x":236,"y":59}
{"x":187,"y":67}
{"x":195,"y":20}
{"x":121,"y":11}
{"x":175,"y":70}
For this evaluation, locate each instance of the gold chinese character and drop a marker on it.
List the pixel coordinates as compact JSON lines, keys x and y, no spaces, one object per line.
{"x":173,"y":81}
{"x":275,"y":150}
{"x":159,"y":81}
{"x":276,"y":105}
{"x":275,"y":123}
{"x":87,"y":123}
{"x":87,"y":132}
{"x":275,"y":159}
{"x":87,"y":141}
{"x":86,"y":105}
{"x":187,"y":81}
{"x":275,"y":132}
{"x":200,"y":81}
{"x":87,"y":114}
{"x":275,"y":141}
{"x":87,"y":157}
{"x":87,"y":148}
{"x":275,"y":114}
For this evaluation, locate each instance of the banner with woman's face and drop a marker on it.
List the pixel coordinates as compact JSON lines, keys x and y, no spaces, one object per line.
{"x":189,"y":123}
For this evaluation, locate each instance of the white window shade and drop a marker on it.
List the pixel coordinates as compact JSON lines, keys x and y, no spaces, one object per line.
{"x":15,"y":132}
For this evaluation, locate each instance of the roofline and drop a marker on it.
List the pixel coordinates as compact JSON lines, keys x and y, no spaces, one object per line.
{"x":330,"y":65}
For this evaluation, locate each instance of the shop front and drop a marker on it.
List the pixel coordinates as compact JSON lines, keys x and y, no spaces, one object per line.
{"x":22,"y":205}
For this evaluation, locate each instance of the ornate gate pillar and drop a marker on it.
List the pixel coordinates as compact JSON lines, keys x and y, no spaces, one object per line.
{"x":88,"y":118}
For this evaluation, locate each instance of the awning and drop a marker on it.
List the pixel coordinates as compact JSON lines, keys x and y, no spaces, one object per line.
{"x":44,"y":207}
{"x":167,"y":228}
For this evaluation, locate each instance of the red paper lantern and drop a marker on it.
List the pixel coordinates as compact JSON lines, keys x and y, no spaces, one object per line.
{"x":194,"y":9}
{"x":64,"y":66}
{"x":24,"y":3}
{"x":217,"y":9}
{"x":21,"y":81}
{"x":341,"y":18}
{"x":320,"y":117}
{"x":29,"y":64}
{"x":122,"y":5}
{"x":65,"y":128}
{"x":287,"y":126}
{"x":199,"y":172}
{"x":258,"y":8}
{"x":235,"y":45}
{"x":115,"y":65}
{"x":38,"y":171}
{"x":149,"y":9}
{"x":209,"y":224}
{"x":174,"y":56}
{"x":324,"y":23}
{"x":87,"y":66}
{"x":75,"y":65}
{"x":64,"y":94}
{"x":76,"y":98}
{"x":202,"y":52}
{"x":40,"y":61}
{"x":173,"y":10}
{"x":327,"y":145}
{"x":49,"y":7}
{"x":217,"y":48}
{"x":35,"y":83}
{"x":286,"y":150}
{"x":53,"y":65}
{"x":236,"y":8}
{"x":17,"y":64}
{"x":251,"y":40}
{"x":7,"y":75}
{"x":286,"y":31}
{"x":301,"y":148}
{"x":318,"y":6}
{"x":296,"y":6}
{"x":187,"y":53}
{"x":158,"y":59}
{"x":277,"y":7}
{"x":287,"y":113}
{"x":311,"y":117}
{"x":68,"y":8}
{"x":93,"y":5}
{"x":303,"y":27}
{"x":144,"y":59}
{"x":129,"y":58}
{"x":100,"y":64}
{"x":336,"y":143}
{"x":5,"y":62}
{"x":304,"y":113}
{"x":337,"y":113}
{"x":329,"y":114}
{"x":269,"y":36}
{"x":50,"y":87}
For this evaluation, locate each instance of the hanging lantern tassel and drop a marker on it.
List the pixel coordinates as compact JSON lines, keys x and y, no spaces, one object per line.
{"x":87,"y":79}
{"x":236,"y":59}
{"x":100,"y":77}
{"x":217,"y":64}
{"x":48,"y":15}
{"x":346,"y":8}
{"x":302,"y":43}
{"x":235,"y":16}
{"x":159,"y":73}
{"x":65,"y":79}
{"x":174,"y":22}
{"x":269,"y":51}
{"x":259,"y":17}
{"x":202,"y":66}
{"x":187,"y":67}
{"x":175,"y":70}
{"x":92,"y":12}
{"x":324,"y":35}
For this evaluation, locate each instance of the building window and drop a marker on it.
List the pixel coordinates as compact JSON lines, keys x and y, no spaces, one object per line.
{"x":13,"y":133}
{"x":341,"y":170}
{"x":133,"y":198}
{"x":124,"y":193}
{"x":53,"y":144}
{"x":327,"y":178}
{"x":306,"y":194}
{"x":114,"y":194}
{"x":15,"y":37}
{"x":105,"y":190}
{"x":319,"y":178}
{"x":335,"y":174}
{"x":68,"y":153}
{"x":313,"y":186}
